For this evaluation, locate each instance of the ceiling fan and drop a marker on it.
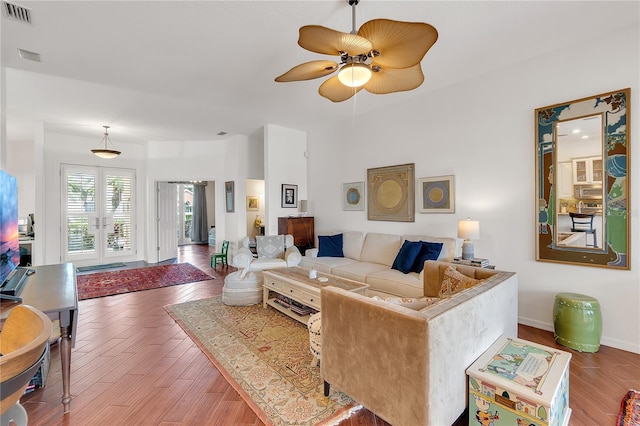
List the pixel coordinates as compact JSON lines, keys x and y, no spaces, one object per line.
{"x":383,"y":56}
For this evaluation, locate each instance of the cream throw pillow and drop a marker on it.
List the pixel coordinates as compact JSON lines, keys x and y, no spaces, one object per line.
{"x":454,"y":282}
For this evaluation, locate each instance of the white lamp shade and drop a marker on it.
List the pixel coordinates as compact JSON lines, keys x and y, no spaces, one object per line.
{"x":469,"y":229}
{"x":354,"y":75}
{"x":303,"y":206}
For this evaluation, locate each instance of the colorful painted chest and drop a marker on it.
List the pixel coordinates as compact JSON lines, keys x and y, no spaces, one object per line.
{"x":519,"y":383}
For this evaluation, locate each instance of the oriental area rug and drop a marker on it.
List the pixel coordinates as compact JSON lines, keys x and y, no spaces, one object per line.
{"x":629,"y":409}
{"x":265,"y":356}
{"x":128,"y":280}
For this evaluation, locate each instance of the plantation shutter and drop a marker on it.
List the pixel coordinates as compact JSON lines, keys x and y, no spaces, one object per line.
{"x":118,"y":208}
{"x":81,"y":208}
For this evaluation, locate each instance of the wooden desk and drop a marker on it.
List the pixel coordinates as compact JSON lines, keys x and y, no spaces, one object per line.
{"x":53,"y":290}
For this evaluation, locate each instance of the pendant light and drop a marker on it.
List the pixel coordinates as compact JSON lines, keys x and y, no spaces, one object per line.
{"x":106,"y":152}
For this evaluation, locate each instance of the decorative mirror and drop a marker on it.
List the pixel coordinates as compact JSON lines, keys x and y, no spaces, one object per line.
{"x":581,"y":181}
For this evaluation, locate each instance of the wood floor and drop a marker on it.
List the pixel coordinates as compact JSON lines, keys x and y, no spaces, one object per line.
{"x":132,"y":365}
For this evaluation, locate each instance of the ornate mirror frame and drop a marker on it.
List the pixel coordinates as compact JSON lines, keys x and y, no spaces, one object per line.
{"x":613,"y":250}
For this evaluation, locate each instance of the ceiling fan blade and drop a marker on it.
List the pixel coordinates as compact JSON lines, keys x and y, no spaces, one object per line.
{"x":392,"y":80}
{"x":308,"y":71}
{"x":335,"y":91}
{"x":331,"y":42}
{"x":401,"y":44}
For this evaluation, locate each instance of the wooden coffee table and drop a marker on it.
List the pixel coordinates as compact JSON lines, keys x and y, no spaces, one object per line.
{"x":296,"y":285}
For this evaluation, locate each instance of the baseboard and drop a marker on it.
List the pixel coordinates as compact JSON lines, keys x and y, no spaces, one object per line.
{"x":620,"y":344}
{"x":535,"y":323}
{"x":604,"y":340}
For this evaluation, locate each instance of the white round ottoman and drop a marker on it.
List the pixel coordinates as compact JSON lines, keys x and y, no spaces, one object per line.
{"x":238,"y":291}
{"x":315,"y":342}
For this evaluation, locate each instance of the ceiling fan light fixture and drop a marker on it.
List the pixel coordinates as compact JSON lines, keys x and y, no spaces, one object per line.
{"x":354,"y":75}
{"x":105,"y":152}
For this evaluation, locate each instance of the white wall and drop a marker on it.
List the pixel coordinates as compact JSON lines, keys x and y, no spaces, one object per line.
{"x":285,"y":163}
{"x":20,"y":164}
{"x":482,"y":131}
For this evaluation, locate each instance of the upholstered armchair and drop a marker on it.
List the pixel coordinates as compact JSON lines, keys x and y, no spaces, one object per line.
{"x":274,"y":251}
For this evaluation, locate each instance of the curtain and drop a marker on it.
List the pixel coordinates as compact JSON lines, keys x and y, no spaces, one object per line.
{"x":200,"y":228}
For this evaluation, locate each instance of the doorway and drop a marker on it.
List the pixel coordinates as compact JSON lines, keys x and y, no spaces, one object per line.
{"x":98,"y":214}
{"x":176,"y":216}
{"x":185,"y":213}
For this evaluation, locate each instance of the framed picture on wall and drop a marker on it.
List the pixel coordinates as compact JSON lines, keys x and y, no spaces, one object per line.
{"x":252,"y":203}
{"x":289,"y":195}
{"x":391,"y":193}
{"x":435,"y":195}
{"x":353,"y":196}
{"x":229,"y":196}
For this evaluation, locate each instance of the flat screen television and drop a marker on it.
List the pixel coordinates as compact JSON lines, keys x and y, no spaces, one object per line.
{"x":9,"y":242}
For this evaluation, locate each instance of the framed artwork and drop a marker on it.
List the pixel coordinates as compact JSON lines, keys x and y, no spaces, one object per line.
{"x":252,"y":203}
{"x":289,"y":195}
{"x":353,"y":196}
{"x":391,"y":193}
{"x":229,"y":196}
{"x":436,"y":195}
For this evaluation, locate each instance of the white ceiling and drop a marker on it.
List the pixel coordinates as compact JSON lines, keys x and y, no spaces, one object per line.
{"x":186,"y":70}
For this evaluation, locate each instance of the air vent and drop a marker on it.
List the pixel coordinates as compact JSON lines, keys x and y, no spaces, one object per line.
{"x":31,"y":56}
{"x":16,"y":12}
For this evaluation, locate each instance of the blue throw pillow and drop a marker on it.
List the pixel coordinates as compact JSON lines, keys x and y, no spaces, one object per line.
{"x":406,"y":256}
{"x":428,"y":251}
{"x":330,"y":246}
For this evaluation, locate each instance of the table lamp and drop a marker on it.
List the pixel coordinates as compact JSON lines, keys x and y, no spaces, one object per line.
{"x":468,"y":230}
{"x":303,"y":208}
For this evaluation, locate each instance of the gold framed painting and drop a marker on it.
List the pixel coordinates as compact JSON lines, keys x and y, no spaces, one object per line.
{"x":391,"y":193}
{"x":253,"y":203}
{"x":435,"y":195}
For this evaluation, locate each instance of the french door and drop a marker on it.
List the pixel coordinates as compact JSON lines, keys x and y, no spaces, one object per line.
{"x":98,"y":214}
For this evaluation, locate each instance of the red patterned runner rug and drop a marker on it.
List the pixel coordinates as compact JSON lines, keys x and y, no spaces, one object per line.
{"x":128,"y":280}
{"x":629,"y":409}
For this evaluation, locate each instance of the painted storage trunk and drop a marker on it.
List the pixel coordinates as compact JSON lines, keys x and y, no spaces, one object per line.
{"x":519,"y":383}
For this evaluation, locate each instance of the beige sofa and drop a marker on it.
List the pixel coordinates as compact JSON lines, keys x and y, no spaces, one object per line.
{"x":408,"y":366}
{"x":368,"y":258}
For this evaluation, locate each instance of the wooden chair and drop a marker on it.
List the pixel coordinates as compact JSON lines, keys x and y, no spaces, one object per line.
{"x":23,"y":344}
{"x":221,"y":257}
{"x":583,"y":222}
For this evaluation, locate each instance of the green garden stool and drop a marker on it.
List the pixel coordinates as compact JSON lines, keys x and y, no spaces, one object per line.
{"x":577,"y":322}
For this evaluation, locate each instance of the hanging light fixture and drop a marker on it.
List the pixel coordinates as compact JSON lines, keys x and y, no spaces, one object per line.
{"x":354,"y":75}
{"x":106,"y":152}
